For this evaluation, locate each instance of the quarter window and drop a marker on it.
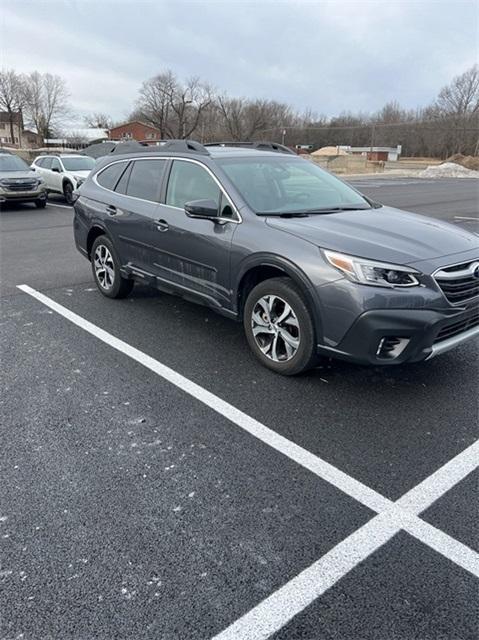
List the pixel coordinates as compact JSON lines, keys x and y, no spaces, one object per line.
{"x":109,"y":176}
{"x":145,"y":179}
{"x":123,"y":181}
{"x":189,"y":181}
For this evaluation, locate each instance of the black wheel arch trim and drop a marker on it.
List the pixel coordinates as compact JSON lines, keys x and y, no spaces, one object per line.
{"x":96,"y":225}
{"x":289,"y":269}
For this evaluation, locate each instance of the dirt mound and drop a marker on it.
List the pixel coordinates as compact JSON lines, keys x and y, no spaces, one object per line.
{"x":470,"y":162}
{"x":448,"y":170}
{"x":330,"y":151}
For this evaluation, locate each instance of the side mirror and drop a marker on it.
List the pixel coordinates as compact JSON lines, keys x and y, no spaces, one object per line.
{"x":56,"y":169}
{"x":201,"y":209}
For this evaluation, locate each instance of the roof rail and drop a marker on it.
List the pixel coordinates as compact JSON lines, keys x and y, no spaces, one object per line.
{"x":260,"y":145}
{"x":188,"y":146}
{"x":181,"y":146}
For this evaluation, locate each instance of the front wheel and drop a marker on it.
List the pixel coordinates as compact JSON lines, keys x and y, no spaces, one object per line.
{"x":279,"y":327}
{"x":106,"y":270}
{"x":41,"y":204}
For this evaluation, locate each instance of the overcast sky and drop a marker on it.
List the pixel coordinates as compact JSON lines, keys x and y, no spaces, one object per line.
{"x":330,"y":56}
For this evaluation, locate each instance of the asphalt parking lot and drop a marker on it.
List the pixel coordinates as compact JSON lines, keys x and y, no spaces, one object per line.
{"x":157,"y":482}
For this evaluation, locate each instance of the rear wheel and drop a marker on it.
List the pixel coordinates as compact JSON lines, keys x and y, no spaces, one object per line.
{"x":279,"y":327}
{"x":68,"y":192}
{"x":106,"y":270}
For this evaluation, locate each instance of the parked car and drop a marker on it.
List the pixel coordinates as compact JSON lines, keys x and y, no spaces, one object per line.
{"x":308,"y":264}
{"x":63,"y":173}
{"x":18,"y":183}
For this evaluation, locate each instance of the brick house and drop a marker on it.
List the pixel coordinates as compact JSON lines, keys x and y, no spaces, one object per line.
{"x":22,"y":138}
{"x":5,"y":130}
{"x":134,"y":130}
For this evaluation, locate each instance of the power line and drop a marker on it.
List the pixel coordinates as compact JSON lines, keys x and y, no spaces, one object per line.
{"x":369,"y":125}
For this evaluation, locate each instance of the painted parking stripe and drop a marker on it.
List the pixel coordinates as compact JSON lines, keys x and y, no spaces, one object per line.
{"x":357,"y":490}
{"x":280,"y":607}
{"x":61,"y":206}
{"x":271,"y":614}
{"x":423,"y":495}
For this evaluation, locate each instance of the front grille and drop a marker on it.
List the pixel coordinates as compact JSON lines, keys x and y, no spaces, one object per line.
{"x":27,"y":185}
{"x":460,"y":282}
{"x":459,"y":326}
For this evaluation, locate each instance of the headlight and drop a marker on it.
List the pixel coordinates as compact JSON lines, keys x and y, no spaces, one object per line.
{"x":79,"y":181}
{"x":379,"y":274}
{"x":40,"y":181}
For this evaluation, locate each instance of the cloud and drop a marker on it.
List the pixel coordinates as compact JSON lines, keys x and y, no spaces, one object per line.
{"x":330,"y":56}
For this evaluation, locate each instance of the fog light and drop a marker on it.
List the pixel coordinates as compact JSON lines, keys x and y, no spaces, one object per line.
{"x":391,"y":347}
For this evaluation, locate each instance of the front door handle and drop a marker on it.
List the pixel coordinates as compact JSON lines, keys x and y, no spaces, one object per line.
{"x":162,"y":225}
{"x":111,"y":210}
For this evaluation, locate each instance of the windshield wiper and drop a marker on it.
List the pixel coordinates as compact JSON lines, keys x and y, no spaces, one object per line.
{"x":307,"y":212}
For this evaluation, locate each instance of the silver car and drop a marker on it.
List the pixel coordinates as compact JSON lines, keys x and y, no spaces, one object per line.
{"x":18,"y":183}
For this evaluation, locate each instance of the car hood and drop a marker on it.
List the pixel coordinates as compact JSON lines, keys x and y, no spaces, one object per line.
{"x":18,"y":175}
{"x":385,"y":234}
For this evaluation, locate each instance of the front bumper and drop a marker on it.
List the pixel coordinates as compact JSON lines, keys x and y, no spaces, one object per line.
{"x":23,"y":196}
{"x":394,"y":336}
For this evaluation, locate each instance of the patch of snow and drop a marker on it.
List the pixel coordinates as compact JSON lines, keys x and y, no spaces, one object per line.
{"x":448,"y":170}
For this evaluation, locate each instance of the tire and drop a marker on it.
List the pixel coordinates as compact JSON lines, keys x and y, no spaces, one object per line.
{"x":40,"y":204}
{"x":108,"y":280}
{"x":68,"y":192}
{"x":267,"y":307}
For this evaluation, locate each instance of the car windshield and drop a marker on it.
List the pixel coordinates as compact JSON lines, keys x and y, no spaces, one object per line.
{"x":12,"y":163}
{"x":81,"y":163}
{"x":287,"y":185}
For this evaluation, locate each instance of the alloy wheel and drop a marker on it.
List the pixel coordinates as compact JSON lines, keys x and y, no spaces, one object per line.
{"x":275,"y":328}
{"x":104,"y":267}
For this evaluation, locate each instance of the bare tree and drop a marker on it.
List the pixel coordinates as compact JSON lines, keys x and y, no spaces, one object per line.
{"x":457,"y":106}
{"x":184,"y":109}
{"x":12,"y":98}
{"x":46,"y":101}
{"x":188,"y":104}
{"x":154,"y":103}
{"x":461,"y":97}
{"x":98,"y":120}
{"x":247,"y":119}
{"x":173,"y":107}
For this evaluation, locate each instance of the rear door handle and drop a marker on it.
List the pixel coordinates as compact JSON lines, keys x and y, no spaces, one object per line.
{"x":162,"y":225}
{"x":111,"y":210}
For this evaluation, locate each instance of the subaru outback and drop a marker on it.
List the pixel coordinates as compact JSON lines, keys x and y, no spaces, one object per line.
{"x":309,"y":265}
{"x":18,"y":183}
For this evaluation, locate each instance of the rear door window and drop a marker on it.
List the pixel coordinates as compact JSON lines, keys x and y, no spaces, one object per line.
{"x":56,"y":164}
{"x":145,"y":179}
{"x":109,"y":177}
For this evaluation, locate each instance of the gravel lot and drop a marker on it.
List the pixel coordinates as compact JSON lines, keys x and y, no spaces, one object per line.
{"x":158,"y":483}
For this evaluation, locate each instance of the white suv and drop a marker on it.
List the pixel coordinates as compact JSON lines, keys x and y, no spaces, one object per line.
{"x":63,"y":173}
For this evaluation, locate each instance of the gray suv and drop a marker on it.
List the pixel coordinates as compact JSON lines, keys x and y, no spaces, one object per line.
{"x":309,"y":265}
{"x":18,"y":183}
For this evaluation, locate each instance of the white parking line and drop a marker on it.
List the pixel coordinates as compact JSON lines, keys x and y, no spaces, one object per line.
{"x":467,"y":218}
{"x":62,"y":206}
{"x":274,"y":612}
{"x":280,"y":607}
